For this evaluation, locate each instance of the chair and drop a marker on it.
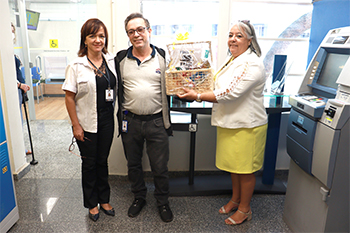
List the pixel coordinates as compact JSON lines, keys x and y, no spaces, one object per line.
{"x":54,"y":69}
{"x":36,"y":75}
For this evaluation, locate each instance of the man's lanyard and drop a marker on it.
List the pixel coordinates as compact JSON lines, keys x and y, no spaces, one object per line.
{"x":104,"y":75}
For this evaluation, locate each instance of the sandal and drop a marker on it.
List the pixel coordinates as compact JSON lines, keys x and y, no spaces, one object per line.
{"x":223,"y":211}
{"x":234,"y":223}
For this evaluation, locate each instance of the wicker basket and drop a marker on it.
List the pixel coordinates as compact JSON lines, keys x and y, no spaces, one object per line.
{"x":200,"y":80}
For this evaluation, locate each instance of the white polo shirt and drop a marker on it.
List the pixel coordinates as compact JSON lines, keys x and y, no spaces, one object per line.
{"x":142,"y":85}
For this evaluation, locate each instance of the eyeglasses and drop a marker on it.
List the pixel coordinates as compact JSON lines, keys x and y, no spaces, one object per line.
{"x":139,"y":30}
{"x":72,"y":146}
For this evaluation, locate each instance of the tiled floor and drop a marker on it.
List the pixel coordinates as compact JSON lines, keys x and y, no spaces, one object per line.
{"x":49,"y":198}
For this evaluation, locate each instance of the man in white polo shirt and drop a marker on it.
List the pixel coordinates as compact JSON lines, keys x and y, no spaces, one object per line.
{"x":143,"y":114}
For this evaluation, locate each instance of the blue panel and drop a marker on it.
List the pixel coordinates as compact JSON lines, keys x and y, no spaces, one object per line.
{"x":327,"y":15}
{"x":273,"y":129}
{"x":302,"y":129}
{"x":7,"y":196}
{"x":279,"y":68}
{"x":299,"y":154}
{"x":2,"y":127}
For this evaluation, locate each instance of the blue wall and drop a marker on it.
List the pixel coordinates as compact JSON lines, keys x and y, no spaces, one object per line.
{"x":327,"y":15}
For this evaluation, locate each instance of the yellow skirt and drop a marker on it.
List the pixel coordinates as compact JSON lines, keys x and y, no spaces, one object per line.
{"x":241,"y":150}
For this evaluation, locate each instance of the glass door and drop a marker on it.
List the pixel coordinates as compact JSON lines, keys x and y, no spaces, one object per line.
{"x":47,"y":39}
{"x":21,"y":47}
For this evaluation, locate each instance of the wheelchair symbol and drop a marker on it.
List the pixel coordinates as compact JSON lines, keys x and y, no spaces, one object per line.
{"x":53,"y":44}
{"x":192,"y":127}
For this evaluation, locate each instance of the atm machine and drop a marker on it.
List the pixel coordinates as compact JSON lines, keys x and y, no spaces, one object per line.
{"x":317,"y":197}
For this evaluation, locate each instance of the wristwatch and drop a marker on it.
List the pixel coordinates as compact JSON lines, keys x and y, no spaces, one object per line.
{"x":198,"y":98}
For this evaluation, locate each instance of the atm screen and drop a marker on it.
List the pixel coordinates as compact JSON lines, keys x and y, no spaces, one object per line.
{"x":333,"y":65}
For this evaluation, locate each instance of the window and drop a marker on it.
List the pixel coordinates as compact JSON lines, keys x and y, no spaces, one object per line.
{"x":214,"y":29}
{"x":259,"y":29}
{"x":282,"y":27}
{"x":181,"y":19}
{"x":158,"y":30}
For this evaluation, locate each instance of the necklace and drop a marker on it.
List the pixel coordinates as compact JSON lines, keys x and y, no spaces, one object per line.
{"x":231,"y":59}
{"x":103,"y":74}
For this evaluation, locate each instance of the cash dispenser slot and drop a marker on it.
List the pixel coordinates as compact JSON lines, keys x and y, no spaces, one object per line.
{"x":299,"y":127}
{"x":300,"y":139}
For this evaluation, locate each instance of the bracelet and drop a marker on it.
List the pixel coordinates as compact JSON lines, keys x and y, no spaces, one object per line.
{"x":19,"y":85}
{"x":198,"y":98}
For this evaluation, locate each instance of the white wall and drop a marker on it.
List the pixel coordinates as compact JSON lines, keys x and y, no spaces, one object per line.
{"x":9,"y":94}
{"x":121,"y":9}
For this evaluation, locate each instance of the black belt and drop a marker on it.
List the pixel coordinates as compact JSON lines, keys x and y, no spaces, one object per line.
{"x":144,"y":117}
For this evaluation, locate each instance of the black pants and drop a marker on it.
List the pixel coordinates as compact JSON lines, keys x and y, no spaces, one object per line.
{"x":157,"y":145}
{"x":94,"y":152}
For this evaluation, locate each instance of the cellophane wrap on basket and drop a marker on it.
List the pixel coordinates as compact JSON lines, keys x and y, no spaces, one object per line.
{"x":190,"y":67}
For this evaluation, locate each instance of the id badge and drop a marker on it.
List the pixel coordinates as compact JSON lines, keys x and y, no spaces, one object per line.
{"x":124,"y":126}
{"x":109,"y":95}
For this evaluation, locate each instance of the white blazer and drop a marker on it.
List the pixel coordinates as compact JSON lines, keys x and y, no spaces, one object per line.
{"x":80,"y":79}
{"x":238,"y":90}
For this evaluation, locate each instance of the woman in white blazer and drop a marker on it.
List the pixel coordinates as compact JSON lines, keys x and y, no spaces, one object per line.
{"x":240,"y":117}
{"x":90,"y":87}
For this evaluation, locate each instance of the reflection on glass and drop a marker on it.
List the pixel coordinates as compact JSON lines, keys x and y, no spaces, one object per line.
{"x":330,"y":72}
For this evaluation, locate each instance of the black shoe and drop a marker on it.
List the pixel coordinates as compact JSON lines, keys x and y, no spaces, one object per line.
{"x":110,"y":212}
{"x":165,"y":213}
{"x":94,"y":217}
{"x":136,"y":207}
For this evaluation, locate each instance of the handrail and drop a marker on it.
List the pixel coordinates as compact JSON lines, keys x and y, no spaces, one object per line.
{"x":38,"y":65}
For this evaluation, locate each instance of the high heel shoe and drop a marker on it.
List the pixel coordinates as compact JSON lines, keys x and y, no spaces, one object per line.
{"x":110,"y":212}
{"x":223,"y":211}
{"x":94,"y":217}
{"x":248,"y":218}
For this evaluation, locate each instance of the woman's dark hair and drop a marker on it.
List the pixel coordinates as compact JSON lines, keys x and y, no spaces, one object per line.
{"x":134,"y":16}
{"x":91,"y":26}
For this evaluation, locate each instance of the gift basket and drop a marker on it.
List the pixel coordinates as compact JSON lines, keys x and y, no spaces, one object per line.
{"x":190,"y":67}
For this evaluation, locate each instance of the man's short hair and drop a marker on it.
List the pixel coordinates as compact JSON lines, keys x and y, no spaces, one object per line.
{"x":134,"y":16}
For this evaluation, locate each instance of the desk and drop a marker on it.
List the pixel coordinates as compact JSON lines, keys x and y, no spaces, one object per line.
{"x":214,"y":185}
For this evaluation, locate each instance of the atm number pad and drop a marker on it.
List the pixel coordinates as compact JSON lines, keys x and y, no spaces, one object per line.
{"x":315,"y":100}
{"x":312,"y":98}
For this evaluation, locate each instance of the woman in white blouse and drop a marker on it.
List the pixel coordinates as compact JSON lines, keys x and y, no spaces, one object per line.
{"x":240,"y":117}
{"x":90,"y":88}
